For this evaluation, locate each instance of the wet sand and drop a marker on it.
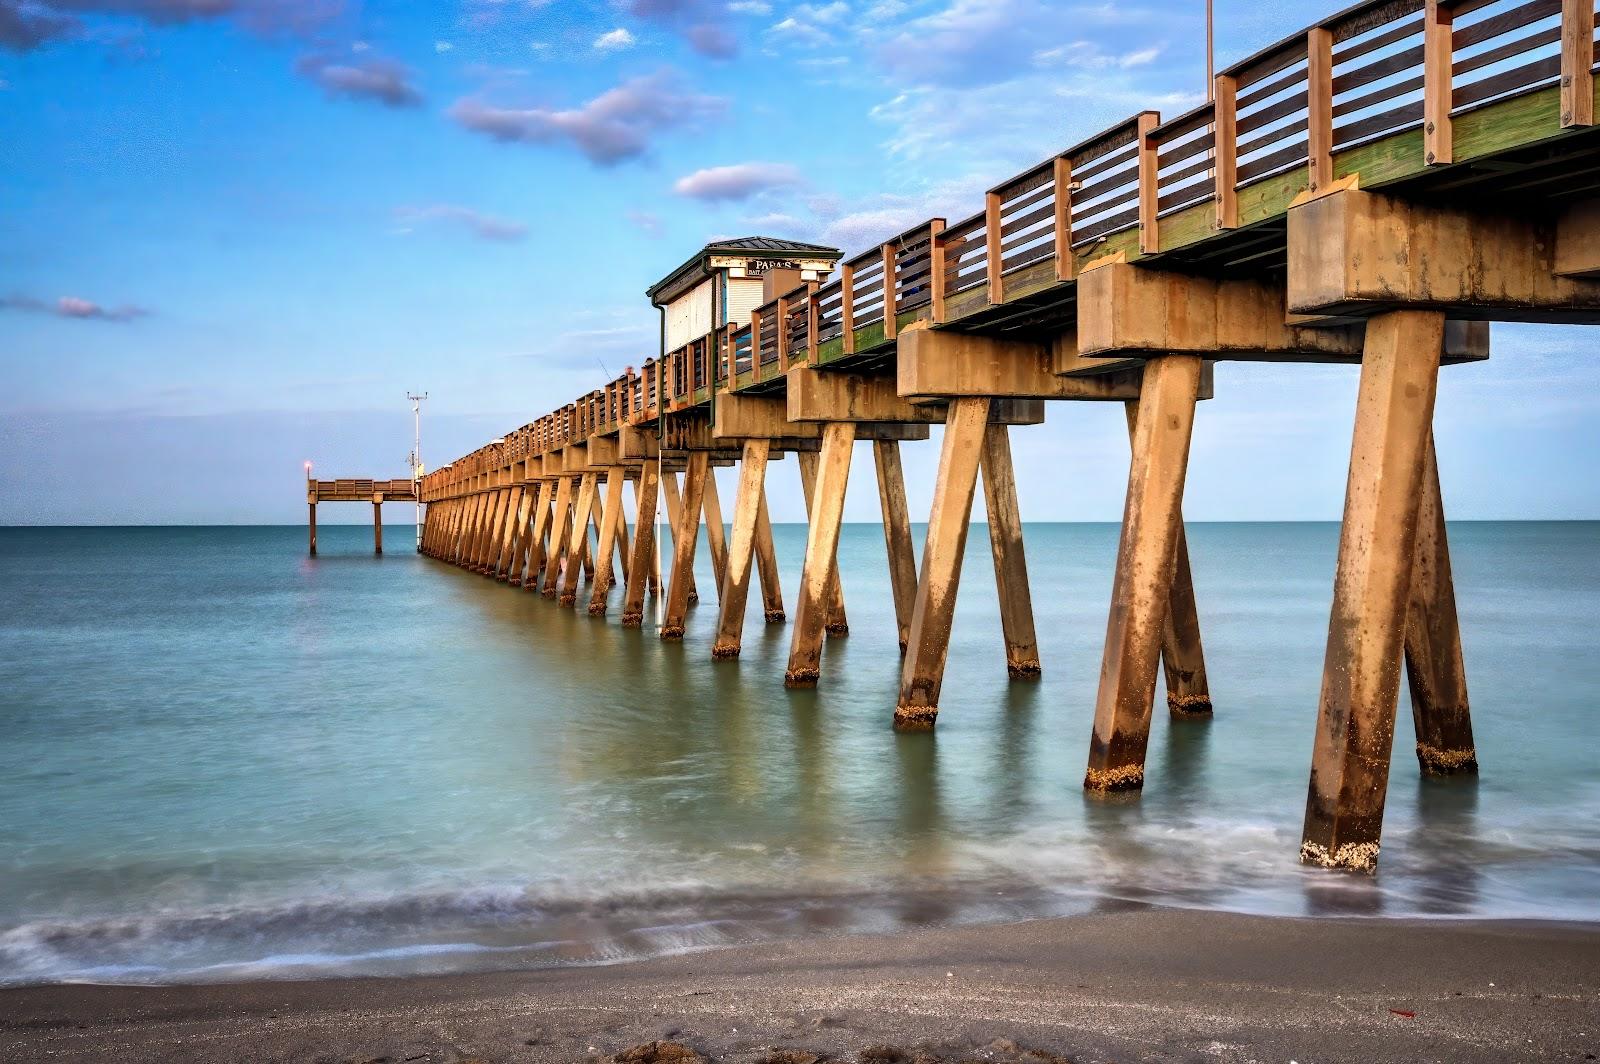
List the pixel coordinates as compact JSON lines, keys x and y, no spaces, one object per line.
{"x":1155,"y":985}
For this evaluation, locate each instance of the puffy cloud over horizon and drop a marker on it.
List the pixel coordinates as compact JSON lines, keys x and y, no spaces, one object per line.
{"x":736,"y":182}
{"x":72,"y":307}
{"x":619,"y":124}
{"x":367,"y":78}
{"x":479,"y":224}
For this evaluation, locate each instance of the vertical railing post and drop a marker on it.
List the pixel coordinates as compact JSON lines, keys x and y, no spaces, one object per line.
{"x":1065,"y":267}
{"x":1149,"y":184}
{"x":1577,"y":63}
{"x":1319,"y":107}
{"x":1225,"y":121}
{"x":755,"y":343}
{"x":992,"y":242}
{"x":891,"y":303}
{"x":812,"y":314}
{"x":782,"y":337}
{"x":847,"y":306}
{"x":936,"y":278}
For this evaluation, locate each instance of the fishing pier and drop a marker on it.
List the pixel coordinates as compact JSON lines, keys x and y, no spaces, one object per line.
{"x":1375,"y":190}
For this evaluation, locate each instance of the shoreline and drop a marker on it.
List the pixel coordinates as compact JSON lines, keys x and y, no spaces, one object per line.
{"x":1150,"y":984}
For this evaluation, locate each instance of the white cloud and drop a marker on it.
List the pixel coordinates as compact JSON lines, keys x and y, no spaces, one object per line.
{"x":750,"y":7}
{"x":737,"y":182}
{"x":812,"y":24}
{"x":648,"y":223}
{"x":442,"y":46}
{"x":616,"y":125}
{"x":618,"y":40}
{"x":483,"y":226}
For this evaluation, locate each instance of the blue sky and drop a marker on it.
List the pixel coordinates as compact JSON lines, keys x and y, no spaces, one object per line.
{"x":233,"y":234}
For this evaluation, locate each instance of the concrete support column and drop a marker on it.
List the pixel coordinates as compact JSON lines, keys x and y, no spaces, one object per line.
{"x":623,"y":540}
{"x":539,"y":534}
{"x":716,"y":535}
{"x":1433,"y":644}
{"x":519,"y":534}
{"x":489,"y":554}
{"x":377,"y":526}
{"x":560,"y":530}
{"x":767,"y":567}
{"x":734,"y":592}
{"x":586,"y":552}
{"x":674,"y":521}
{"x":897,"y":534}
{"x":820,"y":575}
{"x":611,"y":521}
{"x":480,"y":538}
{"x":685,"y":536}
{"x":641,"y":561}
{"x":474,"y":530}
{"x":1010,"y":563}
{"x":469,"y":526}
{"x":1146,"y":555}
{"x":1182,"y":653}
{"x":837,"y":623}
{"x":1372,"y":590}
{"x":922,"y":673}
{"x":311,"y":530}
{"x":580,"y":540}
{"x":500,"y":565}
{"x":464,"y":527}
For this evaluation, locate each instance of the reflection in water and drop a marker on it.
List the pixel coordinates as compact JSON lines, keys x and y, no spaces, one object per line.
{"x":1445,"y":841}
{"x":244,"y":762}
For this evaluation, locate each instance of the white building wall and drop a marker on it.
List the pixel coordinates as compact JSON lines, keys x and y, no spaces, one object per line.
{"x":744,"y":296}
{"x":689,"y":316}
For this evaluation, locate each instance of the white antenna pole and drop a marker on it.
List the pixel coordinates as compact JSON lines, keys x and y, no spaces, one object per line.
{"x":416,"y":457}
{"x":1211,"y":53}
{"x":661,"y":591}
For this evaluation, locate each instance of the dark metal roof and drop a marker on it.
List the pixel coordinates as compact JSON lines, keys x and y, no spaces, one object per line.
{"x":770,"y":243}
{"x":766,"y":245}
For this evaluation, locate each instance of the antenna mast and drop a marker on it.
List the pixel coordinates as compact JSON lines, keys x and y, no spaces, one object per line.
{"x":416,"y":456}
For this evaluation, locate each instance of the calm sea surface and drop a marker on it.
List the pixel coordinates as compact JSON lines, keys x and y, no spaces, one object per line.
{"x":221,"y":759}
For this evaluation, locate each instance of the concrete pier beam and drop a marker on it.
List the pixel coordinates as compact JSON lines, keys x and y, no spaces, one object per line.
{"x":1372,"y":591}
{"x":1142,"y":584}
{"x":820,"y":575}
{"x":674,"y":500}
{"x":560,"y":532}
{"x":716,"y":534}
{"x":519,"y":538}
{"x":922,"y":672}
{"x":1434,"y":664}
{"x":611,"y":522}
{"x":539,"y":534}
{"x":508,"y":533}
{"x":1183,"y":656}
{"x":579,"y":542}
{"x":735,"y":588}
{"x":902,"y":552}
{"x":1010,"y":562}
{"x":641,"y":560}
{"x":685,"y":536}
{"x":837,"y":622}
{"x":767,"y":567}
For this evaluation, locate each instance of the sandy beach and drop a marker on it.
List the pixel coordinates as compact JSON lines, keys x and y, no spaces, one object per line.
{"x":1154,"y":985}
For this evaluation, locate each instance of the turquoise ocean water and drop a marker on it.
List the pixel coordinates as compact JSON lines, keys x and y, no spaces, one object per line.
{"x":220,"y":759}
